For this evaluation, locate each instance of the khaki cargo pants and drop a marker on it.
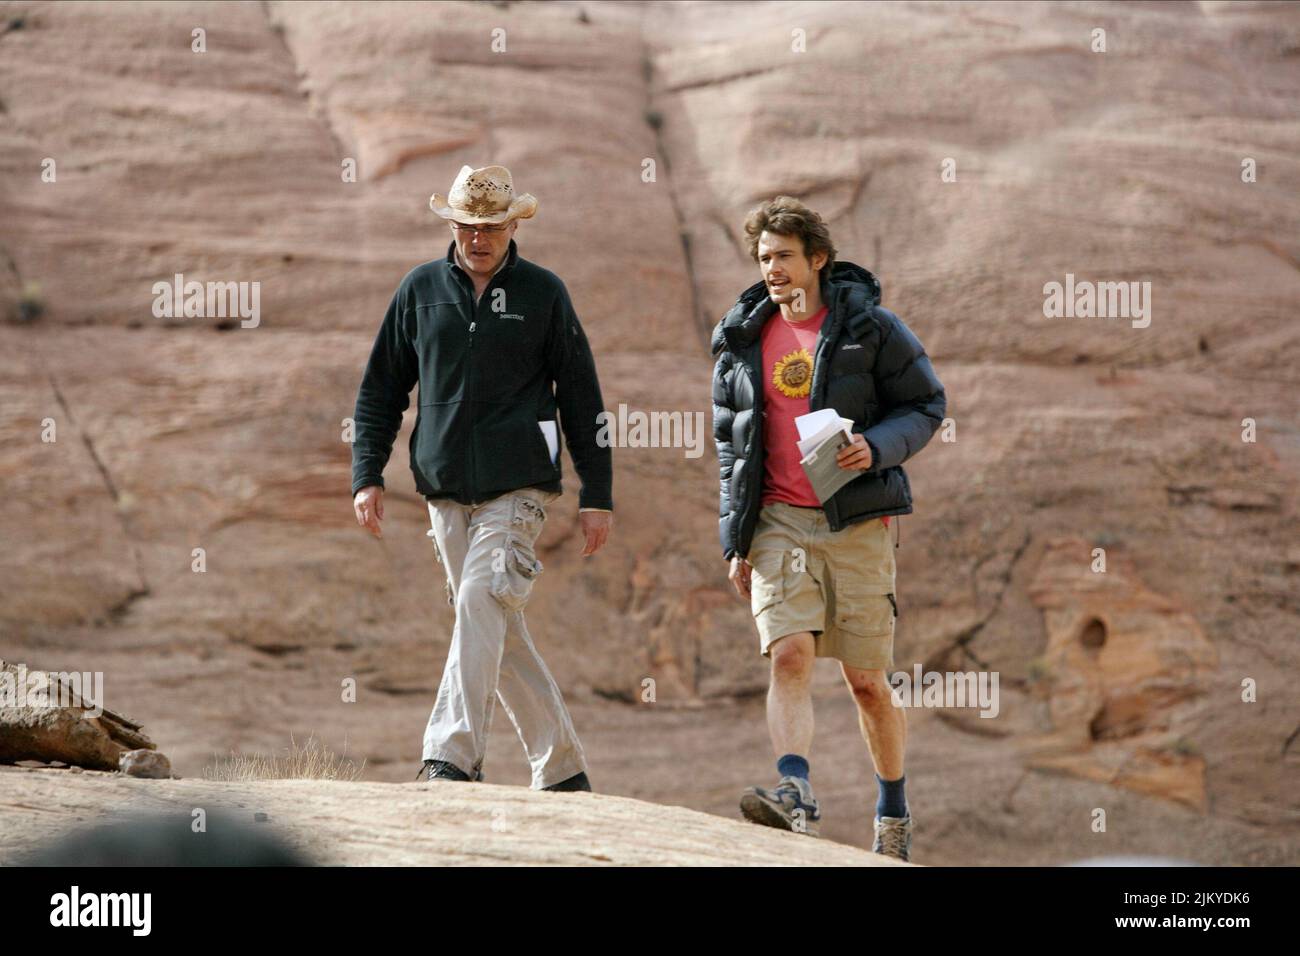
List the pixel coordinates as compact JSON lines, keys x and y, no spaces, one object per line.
{"x":837,"y":584}
{"x":487,"y":553}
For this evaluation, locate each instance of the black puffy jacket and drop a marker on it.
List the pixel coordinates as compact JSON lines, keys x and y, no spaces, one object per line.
{"x":868,"y":366}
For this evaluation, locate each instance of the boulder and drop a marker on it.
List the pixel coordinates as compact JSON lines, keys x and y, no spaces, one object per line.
{"x":42,"y":717}
{"x":145,"y":763}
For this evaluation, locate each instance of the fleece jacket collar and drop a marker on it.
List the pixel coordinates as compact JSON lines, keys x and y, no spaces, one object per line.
{"x":512,"y":257}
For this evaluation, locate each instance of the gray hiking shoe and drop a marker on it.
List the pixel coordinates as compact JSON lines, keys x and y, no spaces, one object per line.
{"x":790,"y":806}
{"x":894,"y":837}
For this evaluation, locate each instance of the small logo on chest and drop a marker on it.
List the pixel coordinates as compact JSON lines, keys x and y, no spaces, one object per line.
{"x":512,"y":315}
{"x":855,"y":345}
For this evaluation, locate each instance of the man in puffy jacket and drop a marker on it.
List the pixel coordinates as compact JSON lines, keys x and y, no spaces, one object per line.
{"x":498,"y":353}
{"x":820,"y":577}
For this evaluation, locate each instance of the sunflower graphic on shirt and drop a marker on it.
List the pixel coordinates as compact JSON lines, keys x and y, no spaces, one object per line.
{"x":792,"y":374}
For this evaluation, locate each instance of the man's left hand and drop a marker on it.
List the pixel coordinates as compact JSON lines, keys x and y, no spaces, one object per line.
{"x":596,"y":526}
{"x":857,"y":455}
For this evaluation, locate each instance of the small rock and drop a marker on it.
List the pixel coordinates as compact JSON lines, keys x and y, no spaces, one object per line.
{"x":75,"y":770}
{"x":260,"y":817}
{"x":145,"y":763}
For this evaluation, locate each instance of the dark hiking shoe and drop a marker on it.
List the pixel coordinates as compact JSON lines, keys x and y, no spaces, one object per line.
{"x":577,"y":782}
{"x":791,"y":806}
{"x":894,"y":837}
{"x":441,"y":770}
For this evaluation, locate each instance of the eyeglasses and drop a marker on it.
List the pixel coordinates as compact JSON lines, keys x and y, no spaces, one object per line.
{"x":490,"y":230}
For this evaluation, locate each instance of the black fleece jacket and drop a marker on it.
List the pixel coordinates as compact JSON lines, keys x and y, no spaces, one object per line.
{"x":488,"y":373}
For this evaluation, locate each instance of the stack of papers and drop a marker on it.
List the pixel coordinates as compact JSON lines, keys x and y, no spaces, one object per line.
{"x":821,"y":435}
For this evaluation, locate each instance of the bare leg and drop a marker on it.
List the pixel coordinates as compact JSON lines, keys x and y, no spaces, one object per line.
{"x":883,"y":725}
{"x":789,"y":698}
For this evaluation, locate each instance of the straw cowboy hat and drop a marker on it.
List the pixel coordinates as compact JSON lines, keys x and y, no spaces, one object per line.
{"x":483,"y":196}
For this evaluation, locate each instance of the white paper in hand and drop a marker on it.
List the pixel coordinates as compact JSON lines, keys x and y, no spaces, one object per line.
{"x":552,"y":438}
{"x":823,"y":433}
{"x":810,"y":424}
{"x":815,"y":427}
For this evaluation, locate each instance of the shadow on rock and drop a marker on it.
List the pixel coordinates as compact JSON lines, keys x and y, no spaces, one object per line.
{"x":167,"y":840}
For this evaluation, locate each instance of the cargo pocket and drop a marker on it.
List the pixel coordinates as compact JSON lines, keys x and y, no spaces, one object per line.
{"x":866,"y":615}
{"x":527,"y":514}
{"x":766,"y":582}
{"x":519,"y":568}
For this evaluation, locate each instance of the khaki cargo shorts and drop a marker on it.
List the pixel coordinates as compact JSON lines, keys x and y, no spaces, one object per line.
{"x":837,"y":584}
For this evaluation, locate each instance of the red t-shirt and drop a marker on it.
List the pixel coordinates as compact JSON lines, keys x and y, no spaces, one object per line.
{"x":788,"y":350}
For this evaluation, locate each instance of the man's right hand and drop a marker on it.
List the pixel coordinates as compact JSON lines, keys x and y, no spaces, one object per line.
{"x":740,"y":576}
{"x":369,"y":506}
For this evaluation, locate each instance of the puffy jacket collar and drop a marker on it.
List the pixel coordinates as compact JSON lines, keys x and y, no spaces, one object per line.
{"x":850,"y":290}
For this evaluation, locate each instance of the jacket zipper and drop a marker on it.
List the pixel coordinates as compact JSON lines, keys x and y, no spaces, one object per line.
{"x":474,"y":304}
{"x":819,"y":361}
{"x":469,"y":382}
{"x":823,"y":345}
{"x":756,"y":383}
{"x":469,"y":377}
{"x":472,"y":485}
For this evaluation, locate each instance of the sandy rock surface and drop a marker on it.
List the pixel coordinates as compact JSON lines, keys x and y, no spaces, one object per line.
{"x":415,"y":824}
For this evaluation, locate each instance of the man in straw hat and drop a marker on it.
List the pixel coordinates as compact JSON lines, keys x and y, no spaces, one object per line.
{"x":499,"y":355}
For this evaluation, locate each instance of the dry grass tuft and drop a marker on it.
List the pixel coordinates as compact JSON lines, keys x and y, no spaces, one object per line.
{"x":311,"y":760}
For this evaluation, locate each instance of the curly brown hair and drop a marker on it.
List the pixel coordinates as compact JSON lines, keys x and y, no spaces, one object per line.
{"x":787,"y":216}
